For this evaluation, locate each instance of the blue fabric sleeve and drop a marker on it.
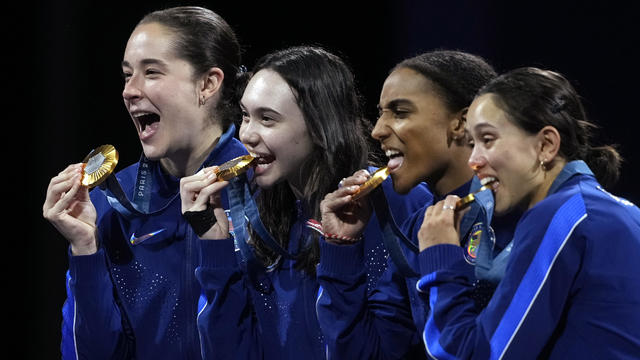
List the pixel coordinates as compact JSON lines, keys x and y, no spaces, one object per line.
{"x":90,"y":312}
{"x":379,"y":326}
{"x":528,"y":303}
{"x":226,"y":321}
{"x":362,"y":324}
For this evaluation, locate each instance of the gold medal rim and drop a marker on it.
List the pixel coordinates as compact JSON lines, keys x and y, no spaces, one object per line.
{"x":465,"y":201}
{"x":243,"y":164}
{"x":374,"y":181}
{"x":106,"y":168}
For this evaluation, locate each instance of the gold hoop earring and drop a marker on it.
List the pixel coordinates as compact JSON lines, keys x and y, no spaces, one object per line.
{"x":201,"y":101}
{"x":542,"y":165}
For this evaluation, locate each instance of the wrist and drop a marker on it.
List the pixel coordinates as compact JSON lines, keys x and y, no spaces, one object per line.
{"x":216,"y":234}
{"x":86,"y":249}
{"x":340,"y":239}
{"x":201,"y":221}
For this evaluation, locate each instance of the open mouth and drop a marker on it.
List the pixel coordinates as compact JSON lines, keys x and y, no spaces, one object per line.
{"x":396,"y":158}
{"x":262,"y":162}
{"x":147,"y":123}
{"x":146,"y":120}
{"x":489,"y":182}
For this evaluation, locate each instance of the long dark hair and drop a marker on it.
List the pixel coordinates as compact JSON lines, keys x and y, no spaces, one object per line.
{"x":534,"y":98}
{"x":325,"y":92}
{"x":205,"y":40}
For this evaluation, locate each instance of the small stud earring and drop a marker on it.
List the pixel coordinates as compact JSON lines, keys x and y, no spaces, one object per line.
{"x":542,"y":165}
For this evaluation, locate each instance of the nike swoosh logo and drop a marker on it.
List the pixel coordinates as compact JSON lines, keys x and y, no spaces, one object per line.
{"x":137,"y":240}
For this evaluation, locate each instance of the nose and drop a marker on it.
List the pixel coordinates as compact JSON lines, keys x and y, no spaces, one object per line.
{"x":380,"y":130}
{"x":247,"y":133}
{"x":477,"y":160}
{"x":131,"y":89}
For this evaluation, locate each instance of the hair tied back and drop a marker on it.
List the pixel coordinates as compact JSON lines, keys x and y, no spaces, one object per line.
{"x":558,"y":105}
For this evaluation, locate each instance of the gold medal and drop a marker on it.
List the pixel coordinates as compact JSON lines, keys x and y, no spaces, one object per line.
{"x":234,"y":167}
{"x":469,"y":199}
{"x":98,"y":165}
{"x":465,"y":201}
{"x":376,"y":179}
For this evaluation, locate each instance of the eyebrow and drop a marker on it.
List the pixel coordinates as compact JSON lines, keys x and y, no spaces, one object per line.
{"x":395,"y":103}
{"x":261,"y":109}
{"x":481,"y":126}
{"x":146,"y":62}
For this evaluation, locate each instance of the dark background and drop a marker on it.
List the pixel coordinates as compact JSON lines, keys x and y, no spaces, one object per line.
{"x":68,"y":94}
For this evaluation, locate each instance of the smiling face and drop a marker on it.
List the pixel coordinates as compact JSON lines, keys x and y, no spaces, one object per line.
{"x":505,"y":152}
{"x":274,"y":130}
{"x":413,"y":129}
{"x":161,"y":94}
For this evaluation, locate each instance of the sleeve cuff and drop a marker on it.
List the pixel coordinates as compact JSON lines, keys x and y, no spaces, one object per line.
{"x":88,"y":269}
{"x":218,"y":253}
{"x":439,"y":257}
{"x":341,"y":259}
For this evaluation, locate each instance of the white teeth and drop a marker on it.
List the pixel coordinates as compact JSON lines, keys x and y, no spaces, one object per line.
{"x":485,"y":181}
{"x":390,"y":153}
{"x":255,"y":156}
{"x":138,"y":114}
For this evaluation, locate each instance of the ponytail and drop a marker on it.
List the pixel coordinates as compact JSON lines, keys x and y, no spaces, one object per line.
{"x":605,"y":161}
{"x":535,"y":98}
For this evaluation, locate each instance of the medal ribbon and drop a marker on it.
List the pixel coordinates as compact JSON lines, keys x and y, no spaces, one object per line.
{"x":236,"y":193}
{"x":142,"y":192}
{"x":239,"y":186}
{"x":391,"y":232}
{"x":141,"y":203}
{"x":243,"y":209}
{"x":487,"y":267}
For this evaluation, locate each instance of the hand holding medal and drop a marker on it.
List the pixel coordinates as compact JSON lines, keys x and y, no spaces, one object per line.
{"x":441,"y":223}
{"x":343,"y":216}
{"x":200,"y":194}
{"x":374,"y":181}
{"x":68,"y":206}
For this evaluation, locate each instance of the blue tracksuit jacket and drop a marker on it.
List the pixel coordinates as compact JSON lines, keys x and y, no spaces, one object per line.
{"x":571,"y":289}
{"x":139,"y":301}
{"x":280,"y":322}
{"x":384,"y":323}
